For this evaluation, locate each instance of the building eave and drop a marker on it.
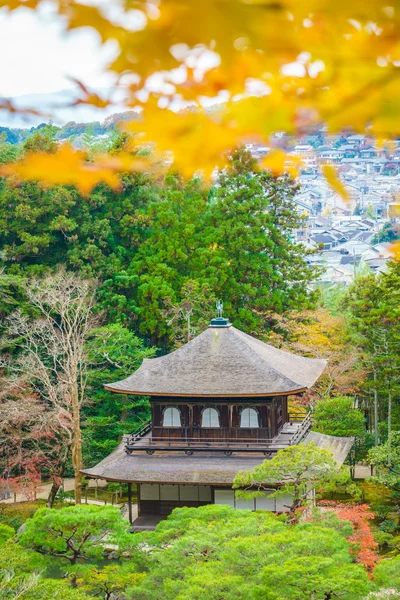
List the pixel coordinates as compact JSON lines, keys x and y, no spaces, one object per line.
{"x":175,"y":395}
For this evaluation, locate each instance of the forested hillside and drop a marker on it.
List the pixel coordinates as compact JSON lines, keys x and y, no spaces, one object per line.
{"x":160,"y":251}
{"x":132,"y":273}
{"x":274,"y":477}
{"x":150,"y":242}
{"x":72,"y":131}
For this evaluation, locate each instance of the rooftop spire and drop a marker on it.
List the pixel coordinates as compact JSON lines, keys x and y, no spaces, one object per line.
{"x":219,"y":321}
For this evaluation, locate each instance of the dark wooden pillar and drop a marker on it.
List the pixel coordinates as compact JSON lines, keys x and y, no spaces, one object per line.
{"x":190,"y":421}
{"x":274,"y":409}
{"x":130,"y":502}
{"x":285,"y":410}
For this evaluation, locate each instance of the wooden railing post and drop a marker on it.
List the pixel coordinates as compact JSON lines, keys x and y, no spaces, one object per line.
{"x":130,"y":502}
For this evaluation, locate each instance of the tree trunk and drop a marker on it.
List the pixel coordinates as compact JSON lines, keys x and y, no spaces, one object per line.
{"x":376,"y":411}
{"x":389,"y":422}
{"x":57,"y":481}
{"x":77,"y":461}
{"x":53,"y":493}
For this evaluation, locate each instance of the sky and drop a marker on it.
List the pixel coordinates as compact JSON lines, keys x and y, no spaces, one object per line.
{"x":39,"y":60}
{"x":38,"y":57}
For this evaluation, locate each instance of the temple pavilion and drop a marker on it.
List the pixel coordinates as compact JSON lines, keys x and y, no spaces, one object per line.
{"x":219,"y":405}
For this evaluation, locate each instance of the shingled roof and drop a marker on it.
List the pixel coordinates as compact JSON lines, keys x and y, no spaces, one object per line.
{"x":206,"y":469}
{"x":222,"y":362}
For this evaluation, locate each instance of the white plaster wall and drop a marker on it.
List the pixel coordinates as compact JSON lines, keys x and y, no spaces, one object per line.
{"x":261,"y":503}
{"x":169,"y":492}
{"x":265,"y":503}
{"x":244,"y":504}
{"x":282,"y":503}
{"x":224,"y":497}
{"x":189,"y":492}
{"x":149,"y":491}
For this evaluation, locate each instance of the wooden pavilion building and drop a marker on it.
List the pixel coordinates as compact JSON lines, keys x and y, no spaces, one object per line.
{"x":219,"y":405}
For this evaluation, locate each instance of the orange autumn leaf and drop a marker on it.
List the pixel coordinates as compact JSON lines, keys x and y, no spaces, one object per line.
{"x":343,"y":59}
{"x":89,"y":97}
{"x":193,"y":141}
{"x":335,"y":183}
{"x":395,"y":247}
{"x":64,"y":167}
{"x":278,"y":163}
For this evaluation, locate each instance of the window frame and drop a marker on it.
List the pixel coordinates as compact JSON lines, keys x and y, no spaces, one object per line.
{"x":173,"y":408}
{"x":250,"y":408}
{"x":218,"y":417}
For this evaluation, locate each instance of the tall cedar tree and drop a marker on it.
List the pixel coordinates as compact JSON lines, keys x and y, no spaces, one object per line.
{"x":248,"y":252}
{"x":374,"y":303}
{"x":238,"y":243}
{"x":168,"y":256}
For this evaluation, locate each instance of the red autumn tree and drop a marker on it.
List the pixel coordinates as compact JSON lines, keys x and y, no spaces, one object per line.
{"x":364,"y":544}
{"x":34,"y":441}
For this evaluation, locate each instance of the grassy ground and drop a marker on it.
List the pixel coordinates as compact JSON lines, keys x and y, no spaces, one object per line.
{"x":110,"y":494}
{"x":16,"y":514}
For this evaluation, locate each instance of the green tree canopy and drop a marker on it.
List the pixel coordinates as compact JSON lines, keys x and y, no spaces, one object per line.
{"x":109,"y":582}
{"x":374,"y":306}
{"x":296,"y":472}
{"x":6,"y":532}
{"x":337,"y":416}
{"x":390,"y":232}
{"x":22,"y":577}
{"x":216,"y":552}
{"x":113,"y":352}
{"x":387,"y":575}
{"x":150,"y":240}
{"x":74,"y":533}
{"x":386,"y":459}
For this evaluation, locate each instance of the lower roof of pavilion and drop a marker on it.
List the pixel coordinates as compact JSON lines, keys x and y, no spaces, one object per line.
{"x":222,"y":362}
{"x":204,"y":469}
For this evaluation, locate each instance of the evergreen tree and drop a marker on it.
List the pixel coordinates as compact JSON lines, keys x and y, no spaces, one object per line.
{"x":374,"y":303}
{"x":113,"y":352}
{"x":337,"y":416}
{"x":168,"y":255}
{"x":251,"y":259}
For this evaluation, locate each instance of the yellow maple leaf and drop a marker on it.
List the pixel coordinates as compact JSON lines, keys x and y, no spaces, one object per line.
{"x":335,"y":183}
{"x":278,"y":163}
{"x":321,"y":61}
{"x":65,"y":167}
{"x":395,"y":247}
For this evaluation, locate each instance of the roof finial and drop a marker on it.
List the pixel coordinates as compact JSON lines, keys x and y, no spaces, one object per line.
{"x":219,"y":321}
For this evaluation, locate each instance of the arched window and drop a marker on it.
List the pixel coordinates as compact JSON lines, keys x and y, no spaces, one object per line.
{"x":172,"y":417}
{"x":210,"y":418}
{"x":249,"y":418}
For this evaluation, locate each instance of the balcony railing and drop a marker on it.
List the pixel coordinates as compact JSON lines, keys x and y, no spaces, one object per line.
{"x":139,"y":434}
{"x":191,"y":445}
{"x":140,"y":441}
{"x":302,"y":431}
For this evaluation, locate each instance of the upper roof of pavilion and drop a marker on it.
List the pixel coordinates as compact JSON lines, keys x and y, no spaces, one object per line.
{"x":222,"y":362}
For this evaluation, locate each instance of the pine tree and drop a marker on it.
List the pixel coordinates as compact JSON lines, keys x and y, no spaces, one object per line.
{"x":374,"y":303}
{"x":250,"y":256}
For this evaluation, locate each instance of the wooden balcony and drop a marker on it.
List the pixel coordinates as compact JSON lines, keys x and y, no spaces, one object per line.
{"x":218,"y":439}
{"x":209,"y":434}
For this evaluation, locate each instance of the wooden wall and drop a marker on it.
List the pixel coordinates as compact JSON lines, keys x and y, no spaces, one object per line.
{"x":272,"y":413}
